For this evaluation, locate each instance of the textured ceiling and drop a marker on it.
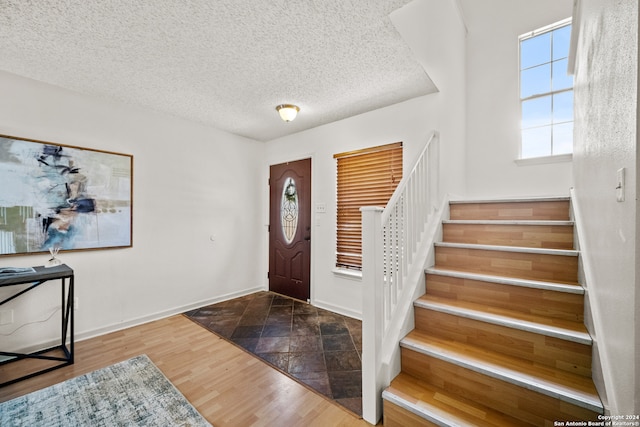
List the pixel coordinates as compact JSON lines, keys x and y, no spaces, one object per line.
{"x":226,"y":63}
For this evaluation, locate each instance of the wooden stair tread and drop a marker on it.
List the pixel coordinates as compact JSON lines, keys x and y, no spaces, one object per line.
{"x":441,"y":407}
{"x":536,"y":208}
{"x":510,"y":200}
{"x":571,"y":388}
{"x":556,"y":265}
{"x":555,"y":327}
{"x":573,"y":288}
{"x":507,"y":277}
{"x":519,"y":249}
{"x":551,"y":222}
{"x":532,"y":234}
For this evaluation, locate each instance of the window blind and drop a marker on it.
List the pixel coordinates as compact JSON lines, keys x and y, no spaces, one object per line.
{"x":365,"y":177}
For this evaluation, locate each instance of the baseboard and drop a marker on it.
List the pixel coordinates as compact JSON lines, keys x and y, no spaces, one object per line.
{"x":81,"y":336}
{"x":601,"y":361}
{"x":163,"y":314}
{"x":337,"y":309}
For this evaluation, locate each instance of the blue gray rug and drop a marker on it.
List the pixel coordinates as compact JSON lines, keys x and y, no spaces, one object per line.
{"x":130,"y":393}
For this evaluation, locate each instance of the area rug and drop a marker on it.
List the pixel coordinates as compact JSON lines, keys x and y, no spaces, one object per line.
{"x":130,"y":393}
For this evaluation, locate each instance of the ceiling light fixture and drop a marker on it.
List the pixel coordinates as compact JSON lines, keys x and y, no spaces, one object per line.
{"x":288,"y":112}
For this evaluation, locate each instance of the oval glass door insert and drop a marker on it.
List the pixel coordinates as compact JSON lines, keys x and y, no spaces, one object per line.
{"x":289,"y":210}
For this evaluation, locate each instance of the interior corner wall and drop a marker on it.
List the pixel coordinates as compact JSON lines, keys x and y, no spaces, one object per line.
{"x":436,"y":34}
{"x":606,"y":140}
{"x":196,"y":214}
{"x":493,"y":102}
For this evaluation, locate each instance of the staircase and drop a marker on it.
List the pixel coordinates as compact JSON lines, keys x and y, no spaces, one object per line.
{"x":499,"y":336}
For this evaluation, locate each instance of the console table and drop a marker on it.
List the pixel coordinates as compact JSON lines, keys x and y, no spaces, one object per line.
{"x":53,"y":357}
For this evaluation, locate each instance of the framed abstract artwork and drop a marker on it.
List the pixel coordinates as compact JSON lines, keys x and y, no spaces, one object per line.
{"x":60,"y":197}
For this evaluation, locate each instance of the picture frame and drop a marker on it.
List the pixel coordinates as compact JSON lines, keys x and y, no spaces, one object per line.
{"x":58,"y":197}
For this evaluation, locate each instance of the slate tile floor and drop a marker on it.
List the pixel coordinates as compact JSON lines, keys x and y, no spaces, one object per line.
{"x":317,"y":347}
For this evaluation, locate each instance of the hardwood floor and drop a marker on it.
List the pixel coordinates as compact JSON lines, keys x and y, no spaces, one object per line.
{"x":228,"y":386}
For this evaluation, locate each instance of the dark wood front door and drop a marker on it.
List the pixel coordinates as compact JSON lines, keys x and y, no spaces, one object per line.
{"x":290,"y":229}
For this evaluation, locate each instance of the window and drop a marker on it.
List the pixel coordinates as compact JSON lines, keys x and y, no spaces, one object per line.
{"x":546,"y":92}
{"x":365,"y":178}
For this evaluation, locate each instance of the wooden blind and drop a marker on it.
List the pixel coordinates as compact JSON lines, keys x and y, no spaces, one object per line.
{"x":365,"y":178}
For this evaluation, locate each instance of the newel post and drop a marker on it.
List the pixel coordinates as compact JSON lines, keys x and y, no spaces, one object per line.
{"x":372,"y":312}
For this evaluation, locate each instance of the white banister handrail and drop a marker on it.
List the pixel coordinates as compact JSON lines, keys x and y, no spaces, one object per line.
{"x":393,"y":257}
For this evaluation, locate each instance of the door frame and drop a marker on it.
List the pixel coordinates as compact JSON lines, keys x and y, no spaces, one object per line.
{"x":276,"y":161}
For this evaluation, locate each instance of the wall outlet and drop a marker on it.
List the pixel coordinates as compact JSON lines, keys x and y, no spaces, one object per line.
{"x":75,"y":303}
{"x":6,"y":317}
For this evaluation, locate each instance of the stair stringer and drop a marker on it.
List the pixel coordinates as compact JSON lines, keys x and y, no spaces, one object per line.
{"x":599,"y":362}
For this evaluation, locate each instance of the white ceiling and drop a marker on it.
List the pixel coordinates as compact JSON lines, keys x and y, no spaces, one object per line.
{"x":226,"y":63}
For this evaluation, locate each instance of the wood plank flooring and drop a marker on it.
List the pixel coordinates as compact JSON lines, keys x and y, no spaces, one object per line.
{"x":522,"y":265}
{"x":543,"y":210}
{"x":228,"y":386}
{"x":527,"y":235}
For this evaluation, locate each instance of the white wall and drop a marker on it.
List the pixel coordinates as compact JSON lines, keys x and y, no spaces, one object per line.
{"x":407,"y":122}
{"x":493,"y":107}
{"x":190,"y":182}
{"x":606,"y":108}
{"x":422,"y":24}
{"x":435,"y":31}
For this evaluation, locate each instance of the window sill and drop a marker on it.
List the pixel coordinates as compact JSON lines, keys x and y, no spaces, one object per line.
{"x":348,"y":274}
{"x":562,"y":158}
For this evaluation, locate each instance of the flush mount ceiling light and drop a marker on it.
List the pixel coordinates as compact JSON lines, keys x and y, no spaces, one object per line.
{"x":288,"y":112}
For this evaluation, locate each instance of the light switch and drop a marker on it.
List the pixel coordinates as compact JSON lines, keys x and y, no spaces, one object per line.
{"x":620,"y":185}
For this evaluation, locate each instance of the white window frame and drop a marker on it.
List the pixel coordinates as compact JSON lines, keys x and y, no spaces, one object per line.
{"x":551,"y":158}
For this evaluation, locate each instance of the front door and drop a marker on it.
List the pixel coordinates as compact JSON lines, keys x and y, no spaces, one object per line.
{"x":290,"y":229}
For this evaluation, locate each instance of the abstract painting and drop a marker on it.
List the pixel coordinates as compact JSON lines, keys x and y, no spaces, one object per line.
{"x":61,"y":197}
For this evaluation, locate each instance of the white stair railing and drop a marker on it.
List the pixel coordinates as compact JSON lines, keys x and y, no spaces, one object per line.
{"x":393,"y":259}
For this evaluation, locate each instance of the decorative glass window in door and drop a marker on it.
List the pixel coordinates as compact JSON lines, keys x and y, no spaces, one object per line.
{"x":289,"y":210}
